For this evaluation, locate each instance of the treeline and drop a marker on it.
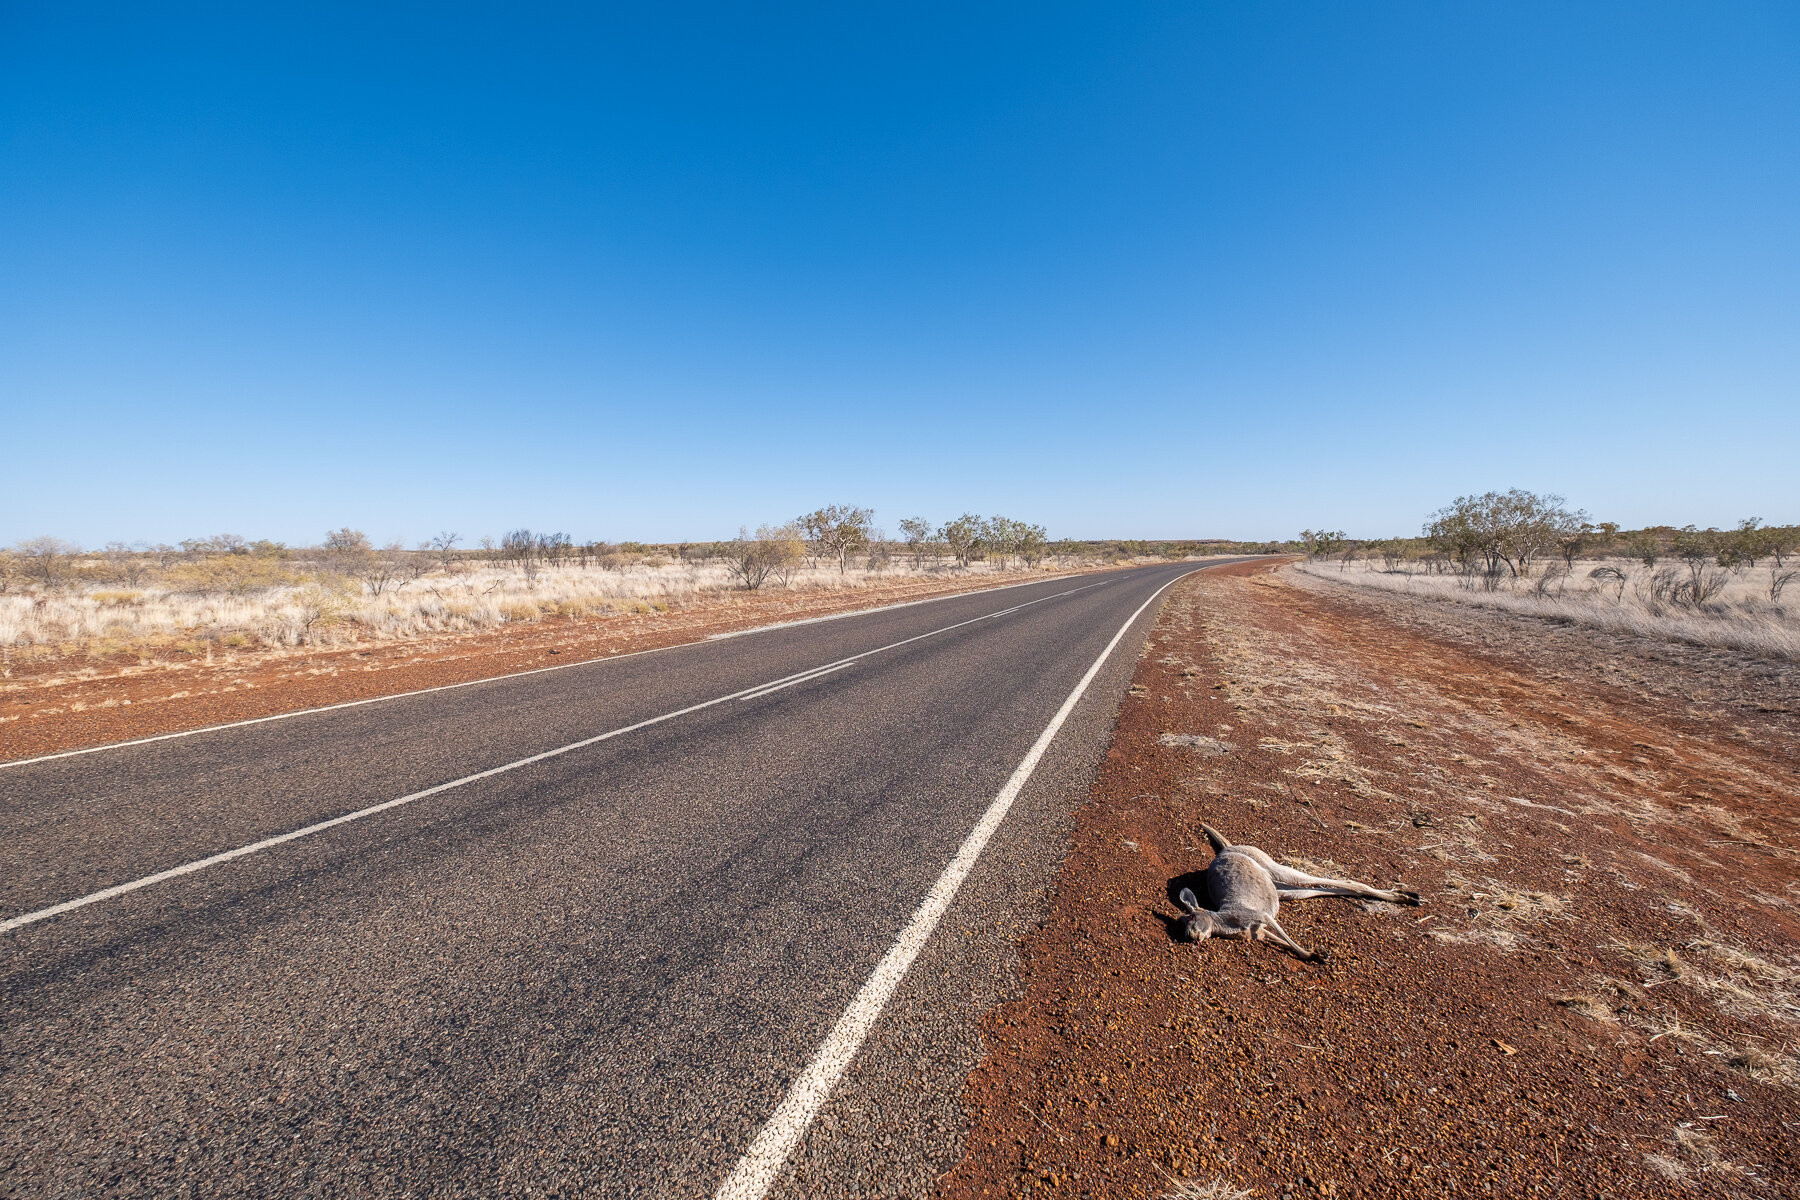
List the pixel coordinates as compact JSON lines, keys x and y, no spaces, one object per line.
{"x":835,"y":535}
{"x":842,"y":534}
{"x":1512,"y":533}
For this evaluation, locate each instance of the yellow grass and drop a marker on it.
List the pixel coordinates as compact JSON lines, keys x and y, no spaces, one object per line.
{"x":1742,"y":617}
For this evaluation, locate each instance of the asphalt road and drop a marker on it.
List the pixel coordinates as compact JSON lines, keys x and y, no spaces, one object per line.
{"x":593,"y":974}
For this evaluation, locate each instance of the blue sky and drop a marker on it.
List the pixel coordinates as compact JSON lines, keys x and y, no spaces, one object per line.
{"x":1171,"y":269}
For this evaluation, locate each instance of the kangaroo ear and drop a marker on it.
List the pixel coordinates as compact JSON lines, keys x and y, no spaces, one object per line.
{"x":1219,"y":844}
{"x":1187,"y":901}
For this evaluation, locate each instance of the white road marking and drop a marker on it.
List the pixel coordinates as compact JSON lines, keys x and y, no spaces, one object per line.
{"x":761,"y":689}
{"x":861,"y":612}
{"x":762,"y":1163}
{"x":806,"y":678}
{"x":446,"y":687}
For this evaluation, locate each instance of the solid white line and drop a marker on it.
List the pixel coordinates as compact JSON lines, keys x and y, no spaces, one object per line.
{"x":760,"y":689}
{"x":446,"y":687}
{"x":762,"y":1163}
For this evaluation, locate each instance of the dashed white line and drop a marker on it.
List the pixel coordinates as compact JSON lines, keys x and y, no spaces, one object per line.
{"x":762,"y":1163}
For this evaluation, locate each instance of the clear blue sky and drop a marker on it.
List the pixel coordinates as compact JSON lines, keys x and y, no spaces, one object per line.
{"x":1165,"y":269}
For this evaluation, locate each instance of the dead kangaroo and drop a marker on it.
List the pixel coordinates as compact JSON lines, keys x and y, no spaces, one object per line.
{"x":1246,"y":888}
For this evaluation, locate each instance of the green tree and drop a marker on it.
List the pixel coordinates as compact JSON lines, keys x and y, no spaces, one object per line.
{"x":838,"y":531}
{"x":917,"y":532}
{"x":963,"y":537}
{"x":1321,"y":543}
{"x":1510,"y":529}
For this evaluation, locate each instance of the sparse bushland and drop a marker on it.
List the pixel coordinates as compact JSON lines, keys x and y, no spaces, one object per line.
{"x":1746,"y":611}
{"x":1529,"y":554}
{"x":227,"y":592}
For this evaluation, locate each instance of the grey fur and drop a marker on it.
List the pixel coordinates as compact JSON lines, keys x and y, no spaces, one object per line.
{"x":1245,"y":888}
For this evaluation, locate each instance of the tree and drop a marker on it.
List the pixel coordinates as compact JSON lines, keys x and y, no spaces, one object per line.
{"x":916,"y":531}
{"x":1571,"y":542}
{"x":881,"y":552}
{"x":388,"y":567}
{"x":1743,"y":545}
{"x":1004,"y":537}
{"x":785,"y":548}
{"x":348,"y":552}
{"x":555,"y":548}
{"x":346,"y":541}
{"x":1644,"y":547}
{"x":1778,"y":542}
{"x":1511,"y":529}
{"x":47,"y":558}
{"x":1695,"y":546}
{"x":752,"y":559}
{"x":1321,"y":543}
{"x":1033,"y":544}
{"x":128,"y":564}
{"x":963,"y":536}
{"x":838,"y":531}
{"x":443,"y":548}
{"x":523,"y":548}
{"x":998,"y":535}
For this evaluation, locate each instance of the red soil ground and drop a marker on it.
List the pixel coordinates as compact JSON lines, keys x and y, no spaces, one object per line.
{"x":1598,"y":998}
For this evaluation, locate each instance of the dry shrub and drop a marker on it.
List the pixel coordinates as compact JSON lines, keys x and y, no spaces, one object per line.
{"x":279,"y":603}
{"x":1212,"y":1189}
{"x":229,"y":575}
{"x":1703,"y":607}
{"x":1592,"y":1007}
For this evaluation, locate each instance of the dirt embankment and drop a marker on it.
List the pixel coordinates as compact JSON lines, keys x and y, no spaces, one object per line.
{"x":56,"y":706}
{"x":1600,"y":996}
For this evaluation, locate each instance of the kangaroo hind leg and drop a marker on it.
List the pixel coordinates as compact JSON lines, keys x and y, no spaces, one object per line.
{"x":1298,"y":885}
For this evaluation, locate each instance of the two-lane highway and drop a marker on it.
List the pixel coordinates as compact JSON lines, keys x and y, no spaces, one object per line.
{"x":579,"y":932}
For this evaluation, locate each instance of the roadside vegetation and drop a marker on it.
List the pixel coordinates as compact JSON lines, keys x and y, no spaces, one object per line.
{"x":228,"y":593}
{"x":1736,"y":589}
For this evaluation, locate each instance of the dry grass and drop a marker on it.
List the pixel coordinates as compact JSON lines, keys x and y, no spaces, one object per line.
{"x":1740,"y":617}
{"x":1212,"y":1189}
{"x":294,"y":609}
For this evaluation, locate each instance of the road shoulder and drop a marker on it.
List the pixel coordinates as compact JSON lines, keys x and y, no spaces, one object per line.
{"x":1572,"y":1012}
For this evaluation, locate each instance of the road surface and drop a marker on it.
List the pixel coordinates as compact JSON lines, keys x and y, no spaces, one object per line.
{"x":602,"y":937}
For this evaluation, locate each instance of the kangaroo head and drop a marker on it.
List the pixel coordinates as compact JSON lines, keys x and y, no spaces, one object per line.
{"x":1200,"y":922}
{"x":1203,"y":923}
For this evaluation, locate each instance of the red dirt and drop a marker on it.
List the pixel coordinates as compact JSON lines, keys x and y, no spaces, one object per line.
{"x":1597,"y":999}
{"x":65,"y":706}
